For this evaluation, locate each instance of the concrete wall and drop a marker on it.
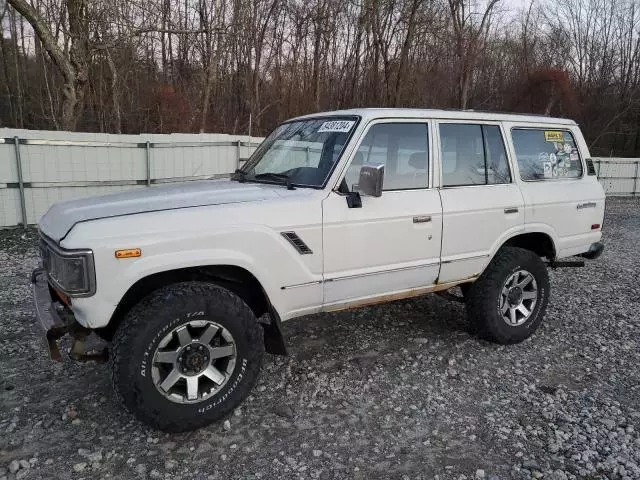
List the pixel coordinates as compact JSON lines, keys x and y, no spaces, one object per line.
{"x":58,"y":166}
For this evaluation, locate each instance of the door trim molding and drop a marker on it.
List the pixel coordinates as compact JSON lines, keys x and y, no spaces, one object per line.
{"x":473,"y":257}
{"x":361,"y":275}
{"x":298,"y":285}
{"x":380,"y":272}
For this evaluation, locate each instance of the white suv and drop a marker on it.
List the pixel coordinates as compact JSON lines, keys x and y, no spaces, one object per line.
{"x":189,"y":282}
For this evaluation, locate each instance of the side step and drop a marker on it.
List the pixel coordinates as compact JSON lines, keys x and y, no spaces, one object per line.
{"x":566,"y":264}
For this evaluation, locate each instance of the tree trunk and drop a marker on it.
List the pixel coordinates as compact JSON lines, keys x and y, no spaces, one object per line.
{"x":13,"y":29}
{"x":7,"y":76}
{"x":208,"y":85}
{"x":72,"y":66}
{"x":405,"y":51}
{"x":115,"y":92}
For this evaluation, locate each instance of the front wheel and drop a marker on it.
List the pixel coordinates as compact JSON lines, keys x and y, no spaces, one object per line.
{"x":186,"y":355}
{"x":507,"y":303}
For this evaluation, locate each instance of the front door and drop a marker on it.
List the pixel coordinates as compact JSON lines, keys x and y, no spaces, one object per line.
{"x":391,"y":245}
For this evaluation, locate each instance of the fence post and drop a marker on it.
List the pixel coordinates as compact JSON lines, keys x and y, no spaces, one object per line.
{"x":238,"y":154}
{"x":635,"y":180}
{"x":148,"y":158}
{"x":23,"y":208}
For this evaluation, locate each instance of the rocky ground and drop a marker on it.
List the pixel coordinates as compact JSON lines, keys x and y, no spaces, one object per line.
{"x":392,"y":391}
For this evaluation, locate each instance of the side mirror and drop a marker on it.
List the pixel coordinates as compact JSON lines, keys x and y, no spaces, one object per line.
{"x":371,"y":178}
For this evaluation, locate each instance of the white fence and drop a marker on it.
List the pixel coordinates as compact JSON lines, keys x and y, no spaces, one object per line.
{"x":39,"y":168}
{"x":619,"y":176}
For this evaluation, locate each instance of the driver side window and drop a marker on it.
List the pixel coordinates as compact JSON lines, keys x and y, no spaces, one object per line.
{"x":403,"y":149}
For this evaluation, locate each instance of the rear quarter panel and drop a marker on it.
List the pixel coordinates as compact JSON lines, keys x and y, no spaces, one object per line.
{"x":565,"y":209}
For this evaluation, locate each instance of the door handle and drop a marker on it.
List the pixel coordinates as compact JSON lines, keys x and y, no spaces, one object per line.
{"x":586,"y":205}
{"x":422,"y":219}
{"x":511,"y":210}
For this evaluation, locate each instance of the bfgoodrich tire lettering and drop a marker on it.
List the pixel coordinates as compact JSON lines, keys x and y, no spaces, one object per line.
{"x":148,"y":323}
{"x":485,"y":297}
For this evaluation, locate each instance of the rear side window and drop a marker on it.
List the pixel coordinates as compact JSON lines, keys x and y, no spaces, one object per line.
{"x":546,"y":154}
{"x":473,"y":155}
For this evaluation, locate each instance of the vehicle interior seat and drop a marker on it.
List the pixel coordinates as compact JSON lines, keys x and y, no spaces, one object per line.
{"x":414,"y":177}
{"x":467,"y":170}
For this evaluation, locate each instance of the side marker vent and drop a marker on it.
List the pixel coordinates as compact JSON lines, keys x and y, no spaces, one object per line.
{"x":297,"y":243}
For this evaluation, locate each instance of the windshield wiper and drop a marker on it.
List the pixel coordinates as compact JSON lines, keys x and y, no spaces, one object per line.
{"x":276,"y":176}
{"x":239,"y":175}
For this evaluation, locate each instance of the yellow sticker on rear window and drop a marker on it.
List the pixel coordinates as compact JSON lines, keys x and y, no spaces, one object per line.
{"x":553,"y":136}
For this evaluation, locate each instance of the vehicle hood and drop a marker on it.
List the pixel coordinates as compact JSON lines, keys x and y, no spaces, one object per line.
{"x":61,"y":217}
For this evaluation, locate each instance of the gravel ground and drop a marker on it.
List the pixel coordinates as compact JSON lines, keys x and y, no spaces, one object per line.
{"x":392,"y":391}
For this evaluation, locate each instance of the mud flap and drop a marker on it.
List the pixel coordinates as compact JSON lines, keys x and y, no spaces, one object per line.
{"x":273,"y":340}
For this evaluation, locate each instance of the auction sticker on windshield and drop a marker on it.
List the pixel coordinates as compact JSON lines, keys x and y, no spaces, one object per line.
{"x":336,"y":126}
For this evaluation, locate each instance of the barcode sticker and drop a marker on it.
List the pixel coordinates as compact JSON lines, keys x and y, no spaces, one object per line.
{"x":336,"y":126}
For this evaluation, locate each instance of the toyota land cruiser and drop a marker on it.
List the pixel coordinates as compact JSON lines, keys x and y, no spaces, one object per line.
{"x":189,"y":283}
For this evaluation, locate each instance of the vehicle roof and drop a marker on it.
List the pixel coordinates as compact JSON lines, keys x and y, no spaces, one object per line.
{"x":375,"y":113}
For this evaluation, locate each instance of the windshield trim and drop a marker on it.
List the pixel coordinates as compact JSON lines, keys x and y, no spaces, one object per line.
{"x":356,"y":118}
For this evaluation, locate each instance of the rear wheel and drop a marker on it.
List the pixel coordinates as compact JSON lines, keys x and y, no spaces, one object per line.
{"x":507,"y":303}
{"x":186,"y":355}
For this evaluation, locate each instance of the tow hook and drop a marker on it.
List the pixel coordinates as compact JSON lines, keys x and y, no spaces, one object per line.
{"x":78,"y":348}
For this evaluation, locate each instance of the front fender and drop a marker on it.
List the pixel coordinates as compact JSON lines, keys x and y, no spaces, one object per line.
{"x":262,"y":252}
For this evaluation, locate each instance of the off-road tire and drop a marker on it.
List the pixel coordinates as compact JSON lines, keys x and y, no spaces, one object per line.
{"x":483,"y":296}
{"x":137,"y":337}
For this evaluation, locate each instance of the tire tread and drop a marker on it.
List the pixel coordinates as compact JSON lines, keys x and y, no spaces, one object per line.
{"x":480,"y":296}
{"x":123,"y":378}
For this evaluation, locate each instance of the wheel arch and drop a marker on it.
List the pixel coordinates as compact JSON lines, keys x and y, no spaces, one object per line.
{"x":234,"y":278}
{"x":540,"y":243}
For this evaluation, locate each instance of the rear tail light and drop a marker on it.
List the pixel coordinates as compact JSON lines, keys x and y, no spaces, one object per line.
{"x":595,"y":226}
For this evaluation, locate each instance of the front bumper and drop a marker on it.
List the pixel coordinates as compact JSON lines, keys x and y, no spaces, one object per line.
{"x":56,"y":320}
{"x":47,"y":313}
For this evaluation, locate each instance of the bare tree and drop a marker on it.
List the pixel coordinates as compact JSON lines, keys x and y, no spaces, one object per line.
{"x":469,"y":38}
{"x":212,"y":65}
{"x":72,"y":63}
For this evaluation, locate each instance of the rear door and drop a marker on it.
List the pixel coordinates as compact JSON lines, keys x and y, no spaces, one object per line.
{"x":481,"y":204}
{"x":560,"y":198}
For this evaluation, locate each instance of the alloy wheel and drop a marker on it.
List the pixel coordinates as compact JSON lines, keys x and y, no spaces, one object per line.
{"x":518,"y":298}
{"x":193,"y":361}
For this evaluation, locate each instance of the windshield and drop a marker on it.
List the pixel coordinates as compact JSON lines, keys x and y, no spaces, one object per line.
{"x":300,"y":153}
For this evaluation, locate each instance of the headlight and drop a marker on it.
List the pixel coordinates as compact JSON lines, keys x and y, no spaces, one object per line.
{"x":71,"y":271}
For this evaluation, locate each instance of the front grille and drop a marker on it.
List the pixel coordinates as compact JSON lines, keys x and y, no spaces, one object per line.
{"x":45,"y":255}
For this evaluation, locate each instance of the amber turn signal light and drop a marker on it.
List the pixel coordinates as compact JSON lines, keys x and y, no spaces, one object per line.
{"x":129,"y":253}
